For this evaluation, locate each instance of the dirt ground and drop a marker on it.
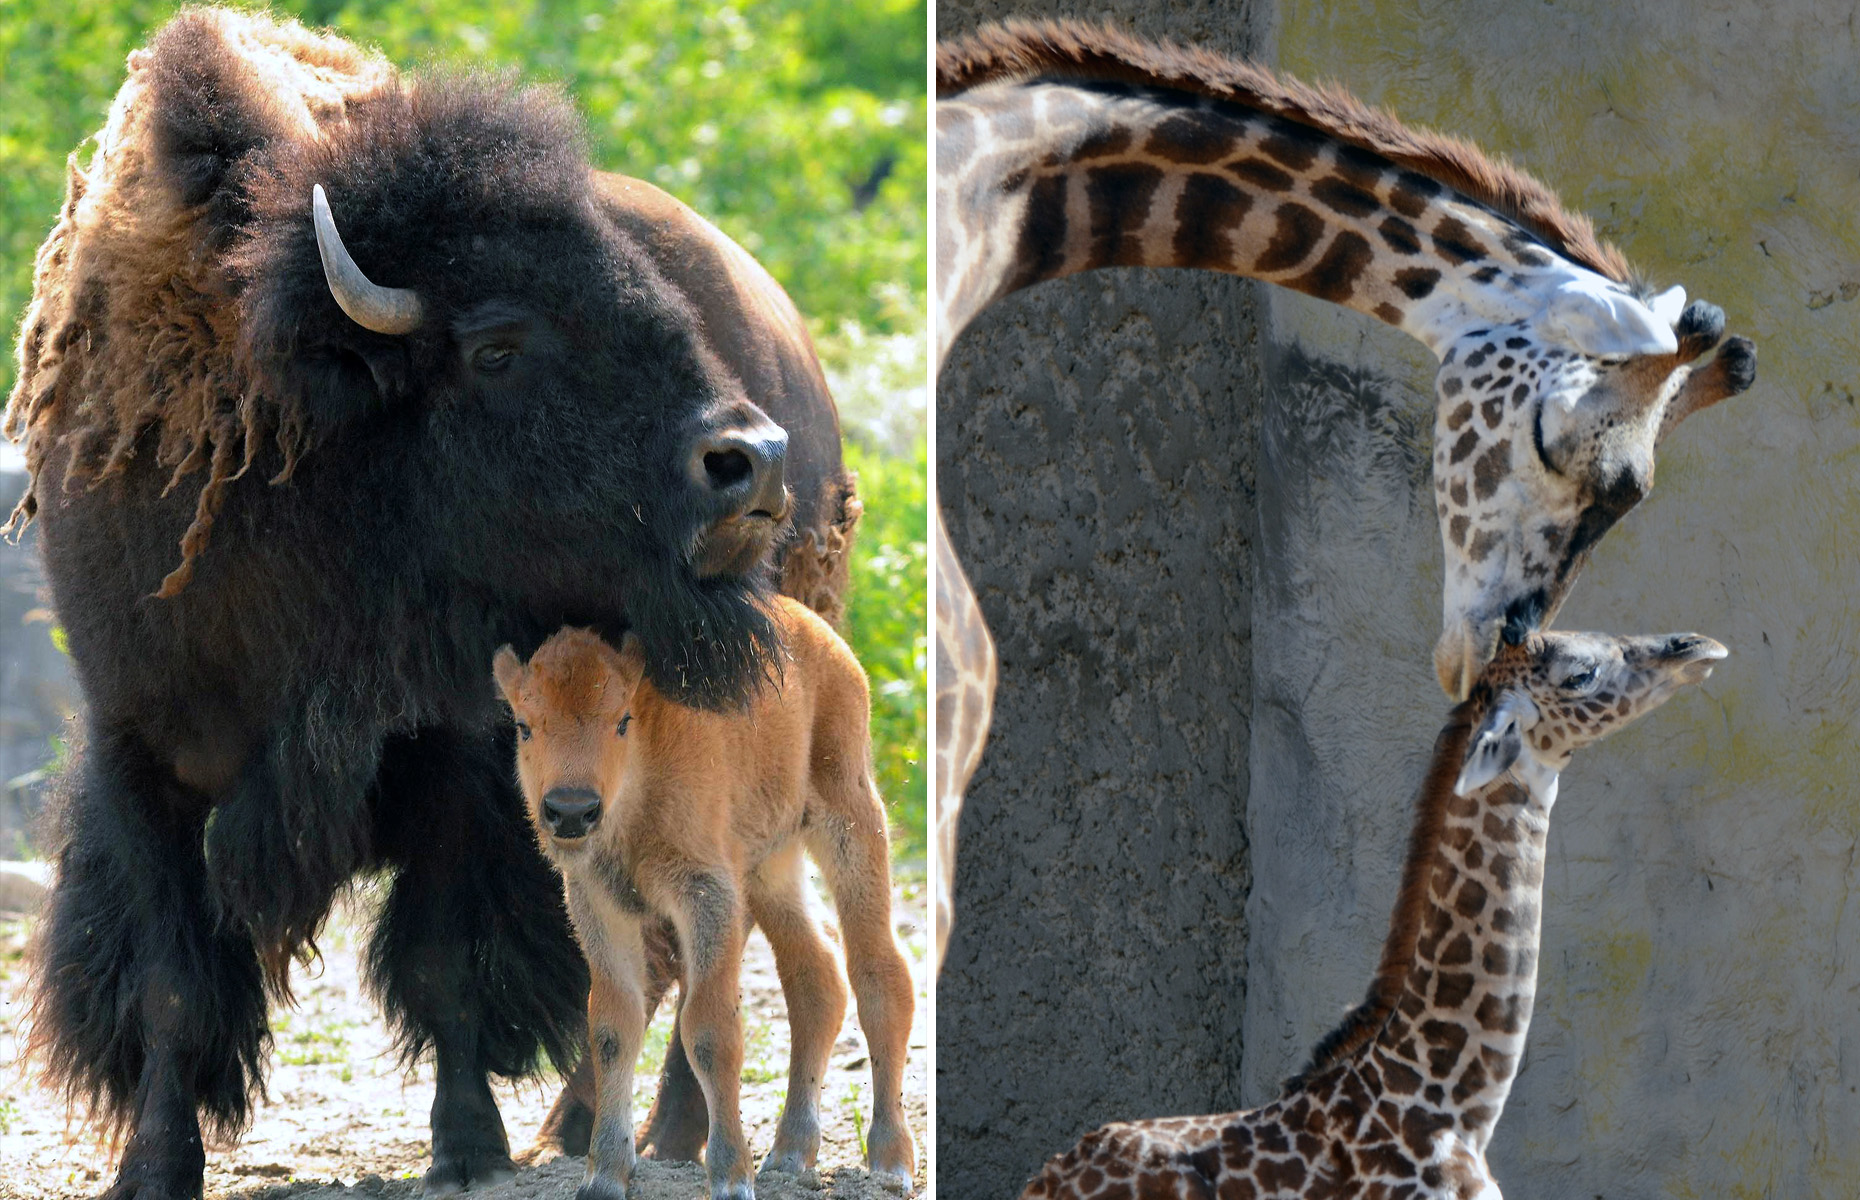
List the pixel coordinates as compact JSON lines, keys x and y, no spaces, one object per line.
{"x":343,"y":1123}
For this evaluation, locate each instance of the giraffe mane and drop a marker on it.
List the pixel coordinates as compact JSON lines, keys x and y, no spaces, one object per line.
{"x":1367,"y":1020}
{"x":1018,"y":50}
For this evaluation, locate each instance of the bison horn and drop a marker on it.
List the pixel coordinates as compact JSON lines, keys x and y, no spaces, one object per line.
{"x":382,"y":309}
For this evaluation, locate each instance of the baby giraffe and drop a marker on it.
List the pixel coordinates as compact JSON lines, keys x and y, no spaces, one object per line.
{"x":654,"y":811}
{"x":1401,"y":1099}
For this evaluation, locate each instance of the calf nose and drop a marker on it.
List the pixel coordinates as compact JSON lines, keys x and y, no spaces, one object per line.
{"x":742,"y":467}
{"x":571,"y":812}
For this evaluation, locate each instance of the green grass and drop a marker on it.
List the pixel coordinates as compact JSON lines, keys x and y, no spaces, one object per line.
{"x":315,"y":1042}
{"x":885,"y":622}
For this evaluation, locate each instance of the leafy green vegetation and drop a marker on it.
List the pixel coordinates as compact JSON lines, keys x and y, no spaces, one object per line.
{"x":885,"y":622}
{"x":795,"y":125}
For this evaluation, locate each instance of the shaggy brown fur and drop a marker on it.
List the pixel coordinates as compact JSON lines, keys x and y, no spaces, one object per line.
{"x":1367,"y":1020}
{"x":701,"y":818}
{"x":130,"y":326}
{"x":1024,"y":50}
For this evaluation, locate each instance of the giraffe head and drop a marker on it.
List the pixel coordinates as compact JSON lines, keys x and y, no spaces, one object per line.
{"x":1555,"y":692}
{"x":1544,"y":437}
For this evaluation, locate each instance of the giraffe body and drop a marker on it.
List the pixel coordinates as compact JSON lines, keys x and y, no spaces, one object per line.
{"x":1400,"y":1101}
{"x":1062,"y":148}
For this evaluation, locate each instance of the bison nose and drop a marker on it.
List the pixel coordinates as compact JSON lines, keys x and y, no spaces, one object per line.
{"x":742,"y":468}
{"x":571,"y":812}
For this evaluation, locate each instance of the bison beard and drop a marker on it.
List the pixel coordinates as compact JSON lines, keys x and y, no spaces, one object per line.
{"x":309,"y":696}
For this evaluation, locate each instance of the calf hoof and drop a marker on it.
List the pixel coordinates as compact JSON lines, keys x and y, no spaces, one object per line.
{"x":890,"y":1158}
{"x":734,"y":1189}
{"x":599,"y":1187}
{"x":785,"y":1162}
{"x":465,"y":1172}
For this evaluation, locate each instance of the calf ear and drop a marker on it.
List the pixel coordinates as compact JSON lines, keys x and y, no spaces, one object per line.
{"x":632,"y":659}
{"x":1494,"y":746}
{"x":507,"y":669}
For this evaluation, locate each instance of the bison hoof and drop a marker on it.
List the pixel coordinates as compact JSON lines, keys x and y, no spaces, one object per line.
{"x":465,"y":1172}
{"x":144,"y":1189}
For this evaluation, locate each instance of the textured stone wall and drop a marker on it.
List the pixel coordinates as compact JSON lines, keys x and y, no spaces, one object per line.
{"x":1698,"y":1008}
{"x":1698,"y":1021}
{"x":1096,"y":440}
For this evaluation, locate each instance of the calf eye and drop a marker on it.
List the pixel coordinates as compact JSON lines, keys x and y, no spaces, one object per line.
{"x":624,"y":722}
{"x":523,"y":731}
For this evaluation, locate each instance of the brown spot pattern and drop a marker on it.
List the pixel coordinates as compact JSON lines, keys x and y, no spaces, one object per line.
{"x":1295,"y":235}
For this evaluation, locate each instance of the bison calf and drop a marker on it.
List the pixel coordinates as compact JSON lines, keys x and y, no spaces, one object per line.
{"x":655,"y":811}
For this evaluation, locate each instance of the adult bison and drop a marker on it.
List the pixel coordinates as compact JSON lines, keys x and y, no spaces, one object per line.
{"x":332,"y":383}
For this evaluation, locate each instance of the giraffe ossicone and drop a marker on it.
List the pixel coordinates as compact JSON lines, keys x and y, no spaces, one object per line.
{"x":1401,"y":1099}
{"x":1063,"y":148}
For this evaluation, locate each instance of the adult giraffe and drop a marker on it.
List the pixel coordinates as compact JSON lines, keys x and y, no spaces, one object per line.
{"x":1064,"y":147}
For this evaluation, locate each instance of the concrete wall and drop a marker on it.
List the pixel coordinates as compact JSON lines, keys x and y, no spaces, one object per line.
{"x":1698,"y":1028}
{"x":1096,"y":451}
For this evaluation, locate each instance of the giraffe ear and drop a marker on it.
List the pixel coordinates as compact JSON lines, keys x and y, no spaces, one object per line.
{"x":1495,"y":745}
{"x":1599,"y":321}
{"x":1668,"y":305}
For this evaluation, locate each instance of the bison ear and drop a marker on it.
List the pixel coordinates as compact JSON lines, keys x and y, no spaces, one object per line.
{"x":210,"y":110}
{"x":507,"y":669}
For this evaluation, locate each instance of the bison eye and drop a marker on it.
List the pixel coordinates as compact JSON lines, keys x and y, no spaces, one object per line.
{"x":624,"y":722}
{"x":523,"y":731}
{"x":493,"y":359}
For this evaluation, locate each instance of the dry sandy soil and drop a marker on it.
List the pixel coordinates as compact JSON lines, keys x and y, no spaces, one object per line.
{"x":343,"y":1123}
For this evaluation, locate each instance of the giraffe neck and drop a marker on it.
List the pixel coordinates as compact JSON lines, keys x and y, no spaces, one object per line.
{"x":1464,"y":1006}
{"x":1042,"y":179}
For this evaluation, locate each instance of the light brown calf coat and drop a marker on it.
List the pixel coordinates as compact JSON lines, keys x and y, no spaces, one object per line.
{"x":652,"y":810}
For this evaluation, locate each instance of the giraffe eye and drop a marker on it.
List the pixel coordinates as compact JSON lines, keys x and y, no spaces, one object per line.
{"x":1581,"y":680}
{"x":624,"y":722}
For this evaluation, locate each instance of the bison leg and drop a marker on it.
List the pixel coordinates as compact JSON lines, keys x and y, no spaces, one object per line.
{"x":472,"y":956}
{"x":145,"y":1006}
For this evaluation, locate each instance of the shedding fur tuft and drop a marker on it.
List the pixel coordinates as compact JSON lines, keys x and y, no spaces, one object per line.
{"x":1021,"y":50}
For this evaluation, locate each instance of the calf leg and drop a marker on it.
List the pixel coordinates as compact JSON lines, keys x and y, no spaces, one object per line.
{"x":616,"y":1027}
{"x":677,"y":1120}
{"x":145,"y":1006}
{"x":710,"y":925}
{"x":677,"y":1123}
{"x":472,"y":956}
{"x":815,"y":995}
{"x":854,"y":854}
